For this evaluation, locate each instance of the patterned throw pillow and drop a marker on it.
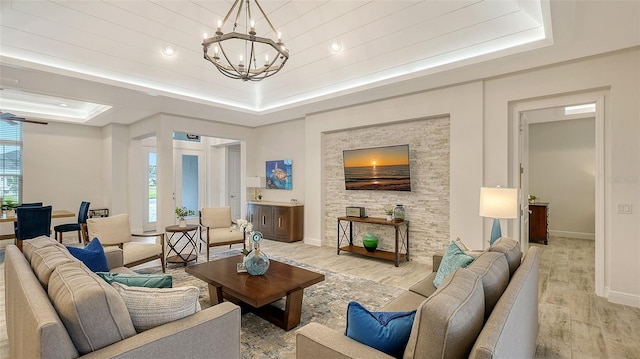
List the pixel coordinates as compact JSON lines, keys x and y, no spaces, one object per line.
{"x":386,"y":331}
{"x":453,"y":259}
{"x":152,"y":307}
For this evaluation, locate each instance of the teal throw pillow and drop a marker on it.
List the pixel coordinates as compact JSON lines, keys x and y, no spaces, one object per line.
{"x":138,"y":280}
{"x":92,"y":256}
{"x":453,"y":259}
{"x":385,"y":331}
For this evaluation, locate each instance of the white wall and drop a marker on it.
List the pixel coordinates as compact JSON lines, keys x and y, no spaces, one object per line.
{"x":62,"y":167}
{"x":562,"y":172}
{"x":282,"y":141}
{"x":618,"y":74}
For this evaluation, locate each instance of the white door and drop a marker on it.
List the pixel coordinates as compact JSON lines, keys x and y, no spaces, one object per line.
{"x":189,"y":174}
{"x":233,"y":180}
{"x":524,"y":181}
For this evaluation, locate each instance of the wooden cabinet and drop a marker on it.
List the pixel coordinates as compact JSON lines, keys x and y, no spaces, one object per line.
{"x":539,"y":223}
{"x":278,"y":221}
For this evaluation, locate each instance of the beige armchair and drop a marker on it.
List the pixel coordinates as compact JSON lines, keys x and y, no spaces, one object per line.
{"x":115,"y":231}
{"x":215,"y":229}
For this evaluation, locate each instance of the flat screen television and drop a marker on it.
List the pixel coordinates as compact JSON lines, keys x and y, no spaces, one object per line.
{"x":379,"y":168}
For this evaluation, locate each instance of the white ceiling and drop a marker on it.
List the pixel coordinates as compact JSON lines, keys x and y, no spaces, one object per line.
{"x":110,"y":52}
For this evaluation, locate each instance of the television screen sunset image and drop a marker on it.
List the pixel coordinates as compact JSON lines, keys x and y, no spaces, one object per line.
{"x":380,"y":168}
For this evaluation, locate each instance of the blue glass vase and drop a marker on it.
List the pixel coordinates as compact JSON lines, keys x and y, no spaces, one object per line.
{"x":256,"y":262}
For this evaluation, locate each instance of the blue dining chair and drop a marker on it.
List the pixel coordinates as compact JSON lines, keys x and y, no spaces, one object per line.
{"x":32,"y":222}
{"x":79,"y":227}
{"x":32,"y":204}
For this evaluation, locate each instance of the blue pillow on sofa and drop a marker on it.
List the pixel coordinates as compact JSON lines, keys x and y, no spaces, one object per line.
{"x":92,"y":256}
{"x":453,"y":259}
{"x":386,"y":331}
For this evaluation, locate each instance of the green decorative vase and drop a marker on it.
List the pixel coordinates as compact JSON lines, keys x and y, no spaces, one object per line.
{"x":370,"y":242}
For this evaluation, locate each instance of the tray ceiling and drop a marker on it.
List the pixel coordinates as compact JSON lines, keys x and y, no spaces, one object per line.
{"x":120,"y":43}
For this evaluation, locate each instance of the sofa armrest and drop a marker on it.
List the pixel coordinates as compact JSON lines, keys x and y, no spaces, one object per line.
{"x":211,"y":332}
{"x":114,"y":256}
{"x":317,"y":341}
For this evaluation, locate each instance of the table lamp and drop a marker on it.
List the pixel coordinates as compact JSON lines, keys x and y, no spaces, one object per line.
{"x":255,"y":182}
{"x":496,"y":203}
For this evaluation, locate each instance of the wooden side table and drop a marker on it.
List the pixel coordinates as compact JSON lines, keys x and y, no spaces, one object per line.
{"x":346,"y":232}
{"x":181,"y":256}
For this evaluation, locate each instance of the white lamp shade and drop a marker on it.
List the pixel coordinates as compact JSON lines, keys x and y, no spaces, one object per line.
{"x":496,"y":202}
{"x":256,"y":182}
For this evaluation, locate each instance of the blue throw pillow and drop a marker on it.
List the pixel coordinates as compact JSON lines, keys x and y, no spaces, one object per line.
{"x":453,"y":259}
{"x":386,"y":331}
{"x":92,"y":256}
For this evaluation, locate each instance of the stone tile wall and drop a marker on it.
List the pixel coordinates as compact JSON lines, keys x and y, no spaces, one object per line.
{"x":426,"y":206}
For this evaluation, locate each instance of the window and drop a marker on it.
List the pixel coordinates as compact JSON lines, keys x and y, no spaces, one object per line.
{"x":11,"y":161}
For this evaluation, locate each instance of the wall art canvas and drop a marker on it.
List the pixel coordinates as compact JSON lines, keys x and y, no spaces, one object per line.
{"x":279,"y":174}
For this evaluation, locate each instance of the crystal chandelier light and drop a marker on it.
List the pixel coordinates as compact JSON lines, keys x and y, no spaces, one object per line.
{"x":235,"y":54}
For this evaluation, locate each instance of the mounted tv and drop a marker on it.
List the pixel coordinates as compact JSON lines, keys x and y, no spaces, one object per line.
{"x":379,"y":168}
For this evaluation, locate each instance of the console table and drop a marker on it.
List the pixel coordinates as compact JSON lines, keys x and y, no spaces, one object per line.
{"x":346,"y":232}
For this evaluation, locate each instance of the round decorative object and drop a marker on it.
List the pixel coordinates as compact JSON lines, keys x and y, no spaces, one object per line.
{"x":370,"y":242}
{"x":398,"y":213}
{"x":256,"y":262}
{"x":256,"y":237}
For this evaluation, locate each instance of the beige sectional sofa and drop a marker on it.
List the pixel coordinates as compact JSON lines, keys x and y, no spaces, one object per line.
{"x":57,"y":308}
{"x":487,"y":310}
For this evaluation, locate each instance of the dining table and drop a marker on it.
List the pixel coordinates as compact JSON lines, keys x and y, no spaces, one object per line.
{"x":58,"y":213}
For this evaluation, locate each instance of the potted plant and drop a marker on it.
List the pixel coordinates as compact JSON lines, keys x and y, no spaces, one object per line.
{"x":9,"y":206}
{"x":532,"y":198}
{"x":389,"y":213}
{"x":181,"y":213}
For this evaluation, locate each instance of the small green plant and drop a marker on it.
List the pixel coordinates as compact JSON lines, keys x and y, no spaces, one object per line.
{"x":182,"y":212}
{"x":532,"y":198}
{"x":388,"y":211}
{"x":9,"y":204}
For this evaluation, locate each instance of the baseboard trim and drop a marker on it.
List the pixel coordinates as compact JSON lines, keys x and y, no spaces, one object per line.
{"x":313,"y":241}
{"x":578,"y":235}
{"x":624,"y":298}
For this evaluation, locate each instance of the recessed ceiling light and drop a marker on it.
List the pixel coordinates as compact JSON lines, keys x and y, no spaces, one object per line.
{"x":336,"y":47}
{"x":64,"y":105}
{"x":168,"y":50}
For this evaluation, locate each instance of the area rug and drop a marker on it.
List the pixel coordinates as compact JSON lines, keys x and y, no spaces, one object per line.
{"x":324,"y":303}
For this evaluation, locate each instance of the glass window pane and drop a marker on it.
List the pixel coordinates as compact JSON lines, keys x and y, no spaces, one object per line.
{"x":190,"y":182}
{"x":152,"y":187}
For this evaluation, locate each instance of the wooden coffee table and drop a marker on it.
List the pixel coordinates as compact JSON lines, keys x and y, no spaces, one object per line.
{"x":258,"y":292}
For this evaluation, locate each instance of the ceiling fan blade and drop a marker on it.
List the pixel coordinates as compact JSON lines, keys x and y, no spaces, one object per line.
{"x":21,"y":119}
{"x":6,"y":116}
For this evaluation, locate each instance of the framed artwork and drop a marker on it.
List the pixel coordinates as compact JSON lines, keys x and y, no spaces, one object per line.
{"x":279,"y":174}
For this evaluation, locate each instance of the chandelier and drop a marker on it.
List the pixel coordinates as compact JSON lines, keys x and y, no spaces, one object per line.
{"x":235,"y":54}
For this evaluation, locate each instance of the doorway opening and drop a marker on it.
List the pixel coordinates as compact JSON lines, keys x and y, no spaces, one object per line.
{"x":549,"y":117}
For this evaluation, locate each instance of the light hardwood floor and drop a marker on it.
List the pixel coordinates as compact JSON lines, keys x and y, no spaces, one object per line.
{"x":574,"y":322}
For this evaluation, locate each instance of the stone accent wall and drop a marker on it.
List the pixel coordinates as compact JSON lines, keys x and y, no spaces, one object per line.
{"x":426,"y":206}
